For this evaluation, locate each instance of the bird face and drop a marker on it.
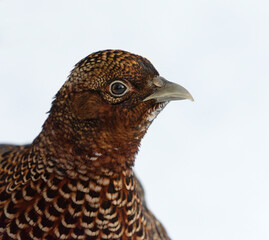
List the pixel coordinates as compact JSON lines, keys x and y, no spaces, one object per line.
{"x":109,"y":101}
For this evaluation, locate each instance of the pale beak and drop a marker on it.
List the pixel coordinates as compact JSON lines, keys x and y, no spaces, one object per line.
{"x":168,"y":91}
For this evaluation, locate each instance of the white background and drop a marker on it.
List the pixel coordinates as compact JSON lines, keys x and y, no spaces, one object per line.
{"x":205,"y":164}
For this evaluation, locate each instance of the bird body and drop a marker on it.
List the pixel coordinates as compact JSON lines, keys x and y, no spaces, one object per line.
{"x":75,"y":180}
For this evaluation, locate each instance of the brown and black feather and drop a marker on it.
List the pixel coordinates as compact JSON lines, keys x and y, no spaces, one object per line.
{"x":75,"y":181}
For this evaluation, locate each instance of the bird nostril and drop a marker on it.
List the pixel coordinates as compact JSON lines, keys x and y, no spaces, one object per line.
{"x":158,"y":82}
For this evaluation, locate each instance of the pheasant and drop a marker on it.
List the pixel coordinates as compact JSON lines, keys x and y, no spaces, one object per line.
{"x":75,"y":180}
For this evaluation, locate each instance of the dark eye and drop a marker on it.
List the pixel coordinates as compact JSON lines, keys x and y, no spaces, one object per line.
{"x":118,"y":88}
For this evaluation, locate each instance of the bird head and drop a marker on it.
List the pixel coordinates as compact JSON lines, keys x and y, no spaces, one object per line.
{"x":107,"y":104}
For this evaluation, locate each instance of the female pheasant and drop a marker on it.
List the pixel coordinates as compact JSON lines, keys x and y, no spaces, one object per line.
{"x":75,"y":180}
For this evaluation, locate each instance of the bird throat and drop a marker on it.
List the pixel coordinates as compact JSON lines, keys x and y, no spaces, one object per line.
{"x":89,"y":146}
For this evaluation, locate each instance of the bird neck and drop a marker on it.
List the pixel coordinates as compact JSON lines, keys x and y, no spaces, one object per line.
{"x":76,"y":152}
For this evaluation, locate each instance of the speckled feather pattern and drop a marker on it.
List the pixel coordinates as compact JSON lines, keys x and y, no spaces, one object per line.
{"x":75,"y":181}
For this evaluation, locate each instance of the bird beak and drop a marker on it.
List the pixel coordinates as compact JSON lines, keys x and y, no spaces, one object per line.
{"x":168,"y":91}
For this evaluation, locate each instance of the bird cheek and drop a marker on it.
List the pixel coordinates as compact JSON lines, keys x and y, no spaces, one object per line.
{"x":86,"y":106}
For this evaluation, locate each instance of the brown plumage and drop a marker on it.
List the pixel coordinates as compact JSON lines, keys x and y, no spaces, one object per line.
{"x":75,"y":181}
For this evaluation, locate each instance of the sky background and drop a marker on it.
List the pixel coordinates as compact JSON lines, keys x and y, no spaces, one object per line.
{"x":204,"y":164}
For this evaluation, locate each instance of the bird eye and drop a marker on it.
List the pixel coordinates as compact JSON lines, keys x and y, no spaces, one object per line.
{"x":118,"y":88}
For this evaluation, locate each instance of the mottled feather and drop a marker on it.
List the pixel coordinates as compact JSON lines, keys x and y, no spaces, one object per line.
{"x":75,"y":180}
